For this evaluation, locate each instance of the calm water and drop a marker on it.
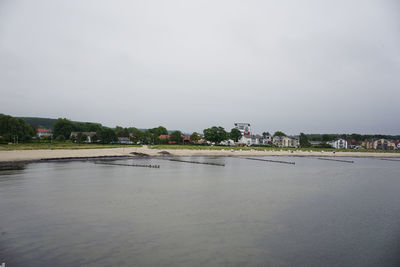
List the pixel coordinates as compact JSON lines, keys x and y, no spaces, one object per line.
{"x":248,"y":213}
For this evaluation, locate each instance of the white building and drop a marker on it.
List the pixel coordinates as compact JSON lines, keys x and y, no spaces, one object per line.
{"x":252,"y":140}
{"x":124,"y":140}
{"x":267,"y":139}
{"x":338,"y":143}
{"x":285,"y":141}
{"x":243,"y":127}
{"x":43,"y":132}
{"x":228,"y":142}
{"x":88,"y":135}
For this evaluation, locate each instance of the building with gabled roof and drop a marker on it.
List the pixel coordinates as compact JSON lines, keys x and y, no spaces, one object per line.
{"x":338,"y":143}
{"x":41,"y":132}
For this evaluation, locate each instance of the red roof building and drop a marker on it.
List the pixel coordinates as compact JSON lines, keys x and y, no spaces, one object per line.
{"x":41,"y":132}
{"x":186,"y":139}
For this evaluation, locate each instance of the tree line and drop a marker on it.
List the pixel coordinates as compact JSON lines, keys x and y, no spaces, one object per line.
{"x":63,"y":128}
{"x":15,"y":129}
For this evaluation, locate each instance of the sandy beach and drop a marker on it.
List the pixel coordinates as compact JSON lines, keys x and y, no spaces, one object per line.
{"x":32,"y":155}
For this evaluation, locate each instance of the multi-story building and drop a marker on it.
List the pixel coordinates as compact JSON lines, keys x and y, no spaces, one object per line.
{"x":382,"y":143}
{"x":243,"y":127}
{"x":338,"y":143}
{"x":250,"y":140}
{"x":285,"y":141}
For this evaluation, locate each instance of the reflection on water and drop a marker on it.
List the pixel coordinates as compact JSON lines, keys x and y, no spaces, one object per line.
{"x":248,"y":213}
{"x":10,"y":167}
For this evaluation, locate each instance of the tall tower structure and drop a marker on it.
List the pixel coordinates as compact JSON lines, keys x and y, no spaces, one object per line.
{"x":243,"y":127}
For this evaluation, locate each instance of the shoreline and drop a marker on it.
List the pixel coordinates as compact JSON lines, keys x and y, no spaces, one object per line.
{"x":28,"y":156}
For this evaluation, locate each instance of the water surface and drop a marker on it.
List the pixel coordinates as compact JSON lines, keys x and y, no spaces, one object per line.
{"x":248,"y":213}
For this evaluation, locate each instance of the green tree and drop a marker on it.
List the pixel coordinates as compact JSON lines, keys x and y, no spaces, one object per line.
{"x":107,"y":136}
{"x":327,"y":137}
{"x":155,"y":133}
{"x":60,"y":138}
{"x":47,"y":138}
{"x":176,"y":136}
{"x":92,"y":127}
{"x":72,"y":138}
{"x":121,"y":132}
{"x":215,"y":134}
{"x":303,"y":139}
{"x":63,"y":127}
{"x":235,"y":134}
{"x":86,"y":127}
{"x":2,"y":140}
{"x":81,"y":138}
{"x":160,"y":130}
{"x":94,"y":138}
{"x":357,"y":137}
{"x":279,"y":133}
{"x":12,"y":128}
{"x":137,"y":135}
{"x":195,"y":137}
{"x":147,"y":138}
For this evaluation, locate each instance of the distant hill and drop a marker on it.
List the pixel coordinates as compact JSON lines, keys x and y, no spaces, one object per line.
{"x":47,"y":122}
{"x":40,"y":122}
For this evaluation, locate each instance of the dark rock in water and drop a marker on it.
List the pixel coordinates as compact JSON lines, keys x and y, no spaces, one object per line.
{"x":139,"y":154}
{"x":164,"y":153}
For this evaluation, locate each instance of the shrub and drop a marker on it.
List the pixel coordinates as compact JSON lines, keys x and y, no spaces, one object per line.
{"x":60,"y":138}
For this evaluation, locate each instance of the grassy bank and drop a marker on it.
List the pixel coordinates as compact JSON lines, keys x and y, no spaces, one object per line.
{"x":59,"y":145}
{"x":245,"y":148}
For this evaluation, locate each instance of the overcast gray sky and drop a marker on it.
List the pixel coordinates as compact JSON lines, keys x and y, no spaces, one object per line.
{"x":296,"y":66}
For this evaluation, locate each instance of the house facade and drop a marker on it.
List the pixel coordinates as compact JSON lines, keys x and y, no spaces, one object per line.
{"x":124,"y":140}
{"x":89,"y":135}
{"x":267,"y":139}
{"x":382,"y":143}
{"x":353,"y":143}
{"x":41,"y":132}
{"x":338,"y":143}
{"x":251,"y":140}
{"x":228,"y":142}
{"x":185,"y":138}
{"x":397,"y":144}
{"x":285,"y":141}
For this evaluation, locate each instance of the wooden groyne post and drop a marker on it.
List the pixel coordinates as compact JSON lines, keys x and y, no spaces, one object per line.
{"x":274,"y":161}
{"x":391,"y":159}
{"x":198,"y":162}
{"x":339,"y":160}
{"x":129,"y":165}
